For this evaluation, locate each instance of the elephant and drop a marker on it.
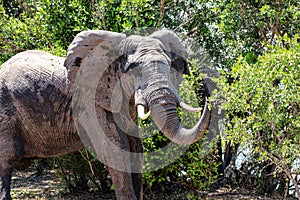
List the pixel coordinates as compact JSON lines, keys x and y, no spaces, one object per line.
{"x":136,"y":76}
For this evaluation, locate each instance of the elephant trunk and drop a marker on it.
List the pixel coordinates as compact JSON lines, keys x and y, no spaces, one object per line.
{"x":165,"y":116}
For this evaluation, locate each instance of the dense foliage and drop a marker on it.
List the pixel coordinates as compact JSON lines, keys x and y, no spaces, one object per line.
{"x":262,"y":104}
{"x":253,"y":44}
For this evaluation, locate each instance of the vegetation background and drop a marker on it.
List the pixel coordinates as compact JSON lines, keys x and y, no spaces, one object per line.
{"x":254,"y":47}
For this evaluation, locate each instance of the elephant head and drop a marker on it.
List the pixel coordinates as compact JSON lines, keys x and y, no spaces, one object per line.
{"x":146,"y":70}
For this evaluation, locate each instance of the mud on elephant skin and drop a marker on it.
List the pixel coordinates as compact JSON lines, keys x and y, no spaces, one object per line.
{"x":41,"y":114}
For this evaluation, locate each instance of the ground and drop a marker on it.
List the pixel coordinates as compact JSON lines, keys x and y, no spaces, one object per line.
{"x":27,"y":185}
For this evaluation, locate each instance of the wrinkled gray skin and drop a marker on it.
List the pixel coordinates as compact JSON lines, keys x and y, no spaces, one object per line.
{"x":36,"y":90}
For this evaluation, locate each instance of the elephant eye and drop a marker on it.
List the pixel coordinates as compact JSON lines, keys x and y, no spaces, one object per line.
{"x":130,"y":66}
{"x":127,"y":62}
{"x":127,"y":66}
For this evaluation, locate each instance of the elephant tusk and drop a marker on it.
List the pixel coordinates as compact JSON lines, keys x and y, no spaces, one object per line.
{"x":141,"y":112}
{"x":189,"y":108}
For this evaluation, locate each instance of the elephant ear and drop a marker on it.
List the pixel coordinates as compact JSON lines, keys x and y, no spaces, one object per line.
{"x":93,"y":63}
{"x":175,"y":49}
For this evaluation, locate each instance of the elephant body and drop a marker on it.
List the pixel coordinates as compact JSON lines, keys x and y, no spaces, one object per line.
{"x":42,"y":115}
{"x":35,"y":101}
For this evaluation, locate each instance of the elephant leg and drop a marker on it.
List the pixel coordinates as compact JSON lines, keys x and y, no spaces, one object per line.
{"x":137,"y":181}
{"x":5,"y":186}
{"x":123,"y":184}
{"x":11,"y":150}
{"x":137,"y":161}
{"x":5,"y":171}
{"x":120,"y":174}
{"x":122,"y":180}
{"x":114,"y":152}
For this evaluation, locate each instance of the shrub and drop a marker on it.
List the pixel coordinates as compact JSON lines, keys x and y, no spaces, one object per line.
{"x":262,"y":105}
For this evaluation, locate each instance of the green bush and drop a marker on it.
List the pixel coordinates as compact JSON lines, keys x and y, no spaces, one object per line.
{"x":80,"y":171}
{"x":263,"y":110}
